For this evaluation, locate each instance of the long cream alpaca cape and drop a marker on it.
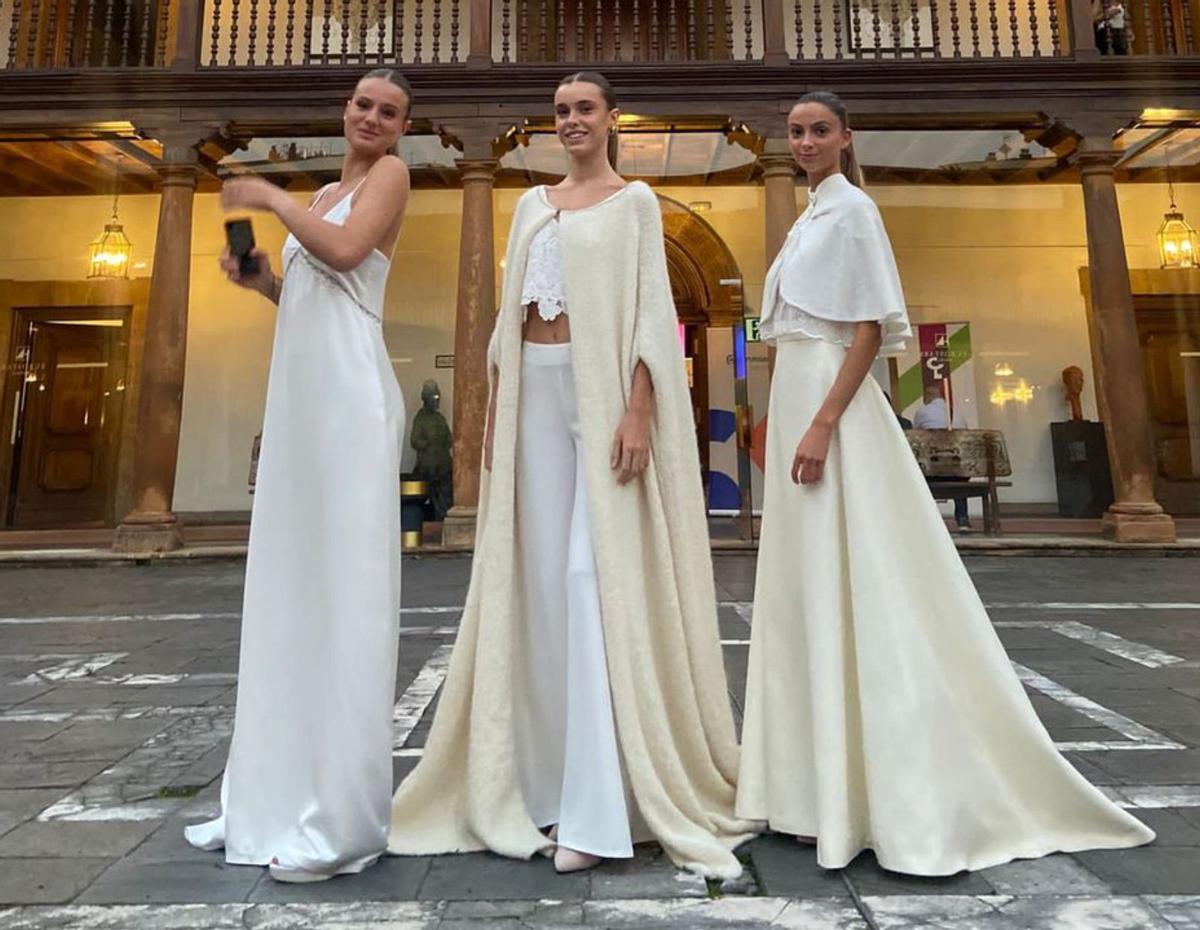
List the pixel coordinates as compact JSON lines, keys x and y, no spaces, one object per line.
{"x":673,"y":720}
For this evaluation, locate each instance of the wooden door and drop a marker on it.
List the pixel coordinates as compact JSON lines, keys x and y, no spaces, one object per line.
{"x":67,"y":409}
{"x":1169,"y":333}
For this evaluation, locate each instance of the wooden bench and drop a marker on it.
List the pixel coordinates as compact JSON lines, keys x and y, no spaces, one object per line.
{"x":965,"y":463}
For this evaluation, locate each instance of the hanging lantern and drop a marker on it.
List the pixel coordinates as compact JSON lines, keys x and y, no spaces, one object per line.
{"x":1177,"y":243}
{"x":111,"y":251}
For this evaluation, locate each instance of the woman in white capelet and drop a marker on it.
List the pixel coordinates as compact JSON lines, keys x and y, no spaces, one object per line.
{"x":585,"y":707}
{"x":881,"y":710}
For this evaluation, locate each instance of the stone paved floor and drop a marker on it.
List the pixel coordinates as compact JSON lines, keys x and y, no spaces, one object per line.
{"x":116,"y":696}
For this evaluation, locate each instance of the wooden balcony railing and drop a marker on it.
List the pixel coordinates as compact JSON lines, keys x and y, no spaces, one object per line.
{"x":210,"y":34}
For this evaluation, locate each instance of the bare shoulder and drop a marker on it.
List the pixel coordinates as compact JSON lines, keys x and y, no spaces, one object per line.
{"x":390,"y":170}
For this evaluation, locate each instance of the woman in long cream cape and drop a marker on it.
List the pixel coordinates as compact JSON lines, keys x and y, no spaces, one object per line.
{"x":672,"y":716}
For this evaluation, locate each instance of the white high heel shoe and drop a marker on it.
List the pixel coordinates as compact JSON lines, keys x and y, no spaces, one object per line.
{"x":295,"y":876}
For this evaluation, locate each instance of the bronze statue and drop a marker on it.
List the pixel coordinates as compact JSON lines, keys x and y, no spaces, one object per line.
{"x":431,"y":438}
{"x":1072,"y":378}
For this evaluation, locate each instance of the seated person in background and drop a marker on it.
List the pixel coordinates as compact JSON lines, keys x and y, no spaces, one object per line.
{"x":933,"y":414}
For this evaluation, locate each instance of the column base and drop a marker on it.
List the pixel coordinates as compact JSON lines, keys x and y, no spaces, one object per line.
{"x":458,"y":529}
{"x":145,"y":534}
{"x":1138,"y":527}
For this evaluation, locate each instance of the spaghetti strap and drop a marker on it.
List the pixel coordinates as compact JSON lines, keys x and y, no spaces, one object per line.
{"x":317,"y":199}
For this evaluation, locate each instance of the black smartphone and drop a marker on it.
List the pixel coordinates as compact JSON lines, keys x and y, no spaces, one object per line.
{"x":240,"y":235}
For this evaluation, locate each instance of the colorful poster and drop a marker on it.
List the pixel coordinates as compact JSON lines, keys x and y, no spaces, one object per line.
{"x":939,"y":362}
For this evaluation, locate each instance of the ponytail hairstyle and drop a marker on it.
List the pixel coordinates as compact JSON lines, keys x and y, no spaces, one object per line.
{"x":395,"y":77}
{"x":834,"y":104}
{"x":610,"y":100}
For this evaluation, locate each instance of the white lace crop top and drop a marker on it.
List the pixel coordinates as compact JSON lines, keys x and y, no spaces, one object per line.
{"x":543,"y":283}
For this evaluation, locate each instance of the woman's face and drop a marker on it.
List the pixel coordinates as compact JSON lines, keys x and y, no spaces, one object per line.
{"x":816,"y":138}
{"x":376,"y":116}
{"x":582,"y":119}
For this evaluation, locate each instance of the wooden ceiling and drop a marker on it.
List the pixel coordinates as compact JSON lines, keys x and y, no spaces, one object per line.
{"x":103,"y":162}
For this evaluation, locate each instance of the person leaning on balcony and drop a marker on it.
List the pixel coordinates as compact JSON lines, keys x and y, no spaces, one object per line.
{"x":309,"y":776}
{"x":585,"y":707}
{"x":1111,"y":27}
{"x":881,"y":710}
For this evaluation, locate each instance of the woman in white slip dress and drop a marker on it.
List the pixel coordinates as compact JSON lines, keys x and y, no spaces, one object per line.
{"x":586,"y":697}
{"x":881,"y":710}
{"x":309,"y":778}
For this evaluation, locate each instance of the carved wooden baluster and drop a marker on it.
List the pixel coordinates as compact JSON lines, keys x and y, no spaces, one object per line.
{"x":955,"y":38}
{"x":837,"y":28}
{"x":362,"y":30}
{"x":234,"y":11}
{"x":146,"y":51}
{"x":1168,"y":23}
{"x":380,"y":32}
{"x":727,"y":6}
{"x":455,"y":28}
{"x":856,"y":8}
{"x":306,"y":31}
{"x":506,"y":31}
{"x":1033,"y":28}
{"x":14,"y":29}
{"x":692,"y":49}
{"x":522,"y":30}
{"x":109,"y":26}
{"x":618,"y":25}
{"x":72,"y":28}
{"x":344,"y":57}
{"x":818,"y":28}
{"x":710,"y":30}
{"x":655,"y":49}
{"x":748,"y":22}
{"x":935,"y":27}
{"x":798,"y":11}
{"x":673,"y":30}
{"x":418,"y":30}
{"x":252,"y":44}
{"x":637,"y":30}
{"x":544,"y":31}
{"x":1189,"y":37}
{"x":437,"y":31}
{"x":560,"y":33}
{"x":598,"y":31}
{"x":398,"y":29}
{"x":1055,"y":49}
{"x":580,"y":29}
{"x":326,"y":29}
{"x":994,"y":24}
{"x":876,"y":29}
{"x":126,"y":33}
{"x":1014,"y":23}
{"x":973,"y":9}
{"x":89,"y":18}
{"x":52,"y":34}
{"x":289,"y":32}
{"x":1147,"y":27}
{"x":31,"y":38}
{"x":897,"y":34}
{"x":914,"y":10}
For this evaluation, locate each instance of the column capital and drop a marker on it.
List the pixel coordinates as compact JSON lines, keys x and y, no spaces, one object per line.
{"x":777,"y":165}
{"x":476,"y":138}
{"x":477,"y":169}
{"x":181,"y":142}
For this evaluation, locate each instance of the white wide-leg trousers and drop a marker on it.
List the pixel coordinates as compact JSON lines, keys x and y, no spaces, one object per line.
{"x":565,"y":736}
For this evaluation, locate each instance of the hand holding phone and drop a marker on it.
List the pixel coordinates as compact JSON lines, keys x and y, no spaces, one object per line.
{"x":240,"y":236}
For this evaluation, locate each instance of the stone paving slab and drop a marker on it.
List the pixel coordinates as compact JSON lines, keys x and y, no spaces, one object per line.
{"x":97,"y":745}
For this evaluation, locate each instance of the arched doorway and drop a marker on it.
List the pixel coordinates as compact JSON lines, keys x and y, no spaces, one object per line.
{"x":706,"y":285}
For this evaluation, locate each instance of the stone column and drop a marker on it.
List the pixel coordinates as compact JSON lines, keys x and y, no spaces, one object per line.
{"x":474,"y":317}
{"x":779,"y":183}
{"x":151,"y":526}
{"x":1135,"y":516}
{"x":779,"y":194}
